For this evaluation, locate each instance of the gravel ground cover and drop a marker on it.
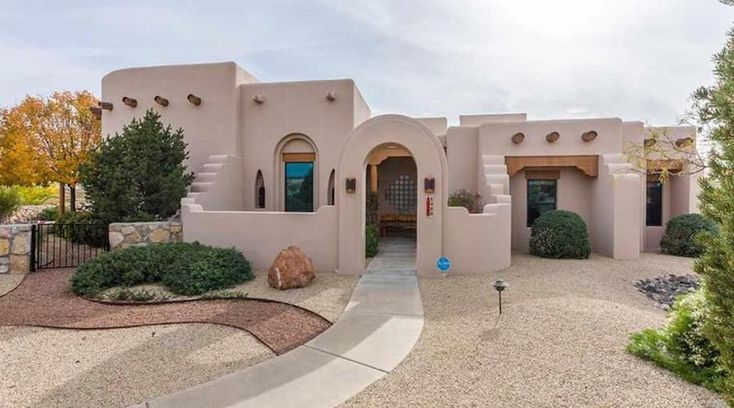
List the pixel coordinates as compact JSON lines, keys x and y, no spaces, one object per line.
{"x":9,"y":281}
{"x":44,"y":299}
{"x":559,"y":342}
{"x":326,"y":296}
{"x":117,"y":367}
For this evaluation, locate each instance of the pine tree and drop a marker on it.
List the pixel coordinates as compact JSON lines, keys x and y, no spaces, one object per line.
{"x":714,"y":107}
{"x":138,"y":175}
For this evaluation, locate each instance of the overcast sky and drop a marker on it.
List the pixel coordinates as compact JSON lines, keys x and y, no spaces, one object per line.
{"x":635,"y":59}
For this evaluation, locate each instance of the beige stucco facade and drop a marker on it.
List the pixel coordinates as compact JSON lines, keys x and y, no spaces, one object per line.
{"x":243,"y":134}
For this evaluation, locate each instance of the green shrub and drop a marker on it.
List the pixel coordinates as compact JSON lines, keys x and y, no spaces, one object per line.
{"x":681,"y":346}
{"x":561,"y":235}
{"x":680,"y":235}
{"x":81,"y":227}
{"x":49,"y":214}
{"x":138,"y":175}
{"x":9,"y":202}
{"x":35,"y":195}
{"x":372,"y":241}
{"x":466,"y":199}
{"x":184,"y":268}
{"x":373,"y":207}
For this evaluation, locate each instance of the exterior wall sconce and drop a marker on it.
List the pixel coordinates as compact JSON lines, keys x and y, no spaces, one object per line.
{"x":518,"y":137}
{"x":258,"y":99}
{"x":194,"y":100}
{"x":105,"y":105}
{"x":552,"y":137}
{"x":684,"y":143}
{"x":429,"y":185}
{"x":131,"y":102}
{"x":650,"y":142}
{"x":589,"y":136}
{"x":161,"y":100}
{"x":351,"y":185}
{"x":330,"y":96}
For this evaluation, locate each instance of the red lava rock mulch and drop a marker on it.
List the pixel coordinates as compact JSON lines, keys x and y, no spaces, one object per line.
{"x":45,"y":299}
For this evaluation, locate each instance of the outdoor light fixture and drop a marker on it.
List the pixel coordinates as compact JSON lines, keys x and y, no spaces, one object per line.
{"x":161,"y":100}
{"x":331,"y":96}
{"x":351,"y":185}
{"x":429,"y":185}
{"x":517,"y":138}
{"x":552,"y":137}
{"x":258,"y":99}
{"x":105,"y":105}
{"x":589,"y":136}
{"x":195,"y":100}
{"x":131,"y":102}
{"x":500,"y":285}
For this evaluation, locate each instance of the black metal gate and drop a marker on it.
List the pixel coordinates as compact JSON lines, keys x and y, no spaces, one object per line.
{"x":55,"y":245}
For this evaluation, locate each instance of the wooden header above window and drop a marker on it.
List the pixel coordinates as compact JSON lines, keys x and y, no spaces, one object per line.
{"x":299,"y":157}
{"x":588,"y":164}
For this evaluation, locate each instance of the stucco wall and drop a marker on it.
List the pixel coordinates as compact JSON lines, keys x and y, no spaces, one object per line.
{"x":260,"y":235}
{"x":210,"y":128}
{"x":496,"y":138}
{"x":462,"y":152}
{"x":294,"y":108}
{"x":478,"y":243}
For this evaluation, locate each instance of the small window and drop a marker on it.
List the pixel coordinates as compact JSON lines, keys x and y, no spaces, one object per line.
{"x":259,"y":190}
{"x":402,"y":194}
{"x":654,"y":204}
{"x":332,"y":191}
{"x":299,"y":186}
{"x":541,"y":198}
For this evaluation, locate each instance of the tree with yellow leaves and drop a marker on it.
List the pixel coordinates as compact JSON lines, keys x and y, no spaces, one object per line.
{"x":46,"y":140}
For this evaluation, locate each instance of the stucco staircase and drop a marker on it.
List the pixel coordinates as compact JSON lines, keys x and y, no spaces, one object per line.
{"x":495,"y":183}
{"x":212,"y":187}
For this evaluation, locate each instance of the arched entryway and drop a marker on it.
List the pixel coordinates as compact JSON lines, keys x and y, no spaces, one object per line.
{"x":352,"y":188}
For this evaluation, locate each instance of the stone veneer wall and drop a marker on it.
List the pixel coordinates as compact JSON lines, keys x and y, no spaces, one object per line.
{"x":15,"y":248}
{"x":123,"y":235}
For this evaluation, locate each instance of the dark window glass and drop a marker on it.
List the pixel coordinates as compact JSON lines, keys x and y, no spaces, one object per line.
{"x":299,"y":187}
{"x":654,"y":204}
{"x":541,"y":198}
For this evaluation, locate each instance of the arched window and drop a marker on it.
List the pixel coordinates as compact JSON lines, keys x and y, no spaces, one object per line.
{"x":331,"y":188}
{"x":259,"y":190}
{"x":298,"y":157}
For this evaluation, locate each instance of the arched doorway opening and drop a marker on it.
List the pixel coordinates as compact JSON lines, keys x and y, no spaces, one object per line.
{"x":392,"y":200}
{"x":353,"y":185}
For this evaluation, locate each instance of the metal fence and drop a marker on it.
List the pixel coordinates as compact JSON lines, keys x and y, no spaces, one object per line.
{"x":56,"y":245}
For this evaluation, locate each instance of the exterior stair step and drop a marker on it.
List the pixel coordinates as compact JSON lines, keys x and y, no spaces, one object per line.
{"x":217,"y":158}
{"x":212,"y":167}
{"x":200,"y":186}
{"x":206,"y":176}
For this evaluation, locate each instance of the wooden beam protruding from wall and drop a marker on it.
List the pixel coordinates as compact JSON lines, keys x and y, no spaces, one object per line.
{"x":131,"y":102}
{"x":588,"y":164}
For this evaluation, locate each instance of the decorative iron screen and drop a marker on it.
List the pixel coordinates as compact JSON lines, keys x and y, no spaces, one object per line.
{"x":402,"y":195}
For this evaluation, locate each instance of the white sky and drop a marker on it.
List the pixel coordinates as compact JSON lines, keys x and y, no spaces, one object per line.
{"x":635,"y":59}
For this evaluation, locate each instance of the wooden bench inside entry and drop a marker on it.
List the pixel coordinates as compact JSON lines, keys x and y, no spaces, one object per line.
{"x":397,"y":221}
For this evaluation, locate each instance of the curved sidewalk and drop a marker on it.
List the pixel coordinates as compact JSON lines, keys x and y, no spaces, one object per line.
{"x":379,"y":327}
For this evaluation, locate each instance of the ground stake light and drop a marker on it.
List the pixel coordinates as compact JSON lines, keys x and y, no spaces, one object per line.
{"x":500,"y":285}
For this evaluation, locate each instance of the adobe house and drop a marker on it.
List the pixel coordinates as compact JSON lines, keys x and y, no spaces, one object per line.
{"x":293,"y":162}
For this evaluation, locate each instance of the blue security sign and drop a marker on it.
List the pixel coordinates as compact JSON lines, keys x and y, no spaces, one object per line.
{"x":443,"y":264}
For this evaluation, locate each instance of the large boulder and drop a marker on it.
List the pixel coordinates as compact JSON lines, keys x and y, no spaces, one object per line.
{"x":291,"y":269}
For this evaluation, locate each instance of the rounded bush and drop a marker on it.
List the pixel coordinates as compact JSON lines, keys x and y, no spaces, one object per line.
{"x":184,"y":268}
{"x":680,"y":235}
{"x":560,"y":234}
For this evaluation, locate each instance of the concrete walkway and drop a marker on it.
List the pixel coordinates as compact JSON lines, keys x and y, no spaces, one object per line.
{"x":379,"y":327}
